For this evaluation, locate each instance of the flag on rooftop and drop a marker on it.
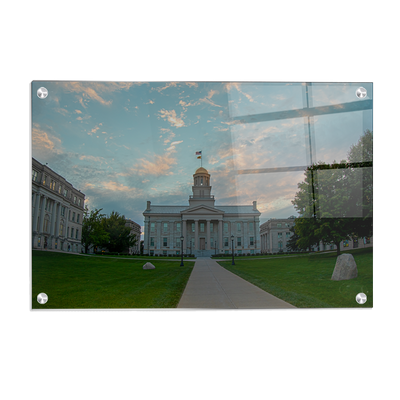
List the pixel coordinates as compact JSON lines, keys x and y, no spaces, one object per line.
{"x":198,"y":153}
{"x":199,"y":157}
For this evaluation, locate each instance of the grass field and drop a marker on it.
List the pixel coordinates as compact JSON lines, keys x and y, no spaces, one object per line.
{"x":305,"y":281}
{"x":74,"y":281}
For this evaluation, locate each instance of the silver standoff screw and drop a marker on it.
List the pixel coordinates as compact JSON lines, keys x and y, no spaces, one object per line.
{"x":361,"y":298}
{"x":42,"y":298}
{"x":42,"y":93}
{"x":361,"y":92}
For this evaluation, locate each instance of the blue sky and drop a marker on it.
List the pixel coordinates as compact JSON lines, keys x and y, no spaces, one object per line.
{"x":123,"y":143}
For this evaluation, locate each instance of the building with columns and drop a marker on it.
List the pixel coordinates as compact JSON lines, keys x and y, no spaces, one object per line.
{"x":57,"y":211}
{"x":206,"y":228}
{"x":275,"y":234}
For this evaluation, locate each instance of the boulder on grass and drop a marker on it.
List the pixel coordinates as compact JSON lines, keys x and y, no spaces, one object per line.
{"x":345,"y":268}
{"x":149,"y":265}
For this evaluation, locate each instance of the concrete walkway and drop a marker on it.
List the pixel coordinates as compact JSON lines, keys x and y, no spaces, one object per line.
{"x":211,"y":286}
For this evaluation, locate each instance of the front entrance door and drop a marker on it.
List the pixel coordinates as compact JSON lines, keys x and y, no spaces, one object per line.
{"x":202,"y":243}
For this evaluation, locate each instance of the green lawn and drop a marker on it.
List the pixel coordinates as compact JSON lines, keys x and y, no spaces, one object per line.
{"x":74,"y":281}
{"x":305,"y":281}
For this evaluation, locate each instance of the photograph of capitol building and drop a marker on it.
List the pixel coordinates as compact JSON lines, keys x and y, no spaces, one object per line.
{"x":206,"y":228}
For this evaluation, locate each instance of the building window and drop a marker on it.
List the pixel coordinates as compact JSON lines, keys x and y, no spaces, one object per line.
{"x":239,"y":251}
{"x":239,"y":226}
{"x":61,"y":230}
{"x":367,"y":240}
{"x":287,"y":235}
{"x":165,"y":242}
{"x":226,"y":243}
{"x":252,"y":251}
{"x":53,"y":185}
{"x":79,"y":202}
{"x":72,"y":232}
{"x":280,"y":245}
{"x":65,"y":192}
{"x":76,"y":234}
{"x":239,"y":241}
{"x":251,"y":241}
{"x":152,"y":252}
{"x":202,"y":227}
{"x":63,"y":211}
{"x":152,"y":241}
{"x":279,"y":225}
{"x":212,"y":242}
{"x":225,"y":227}
{"x":68,"y":232}
{"x":226,"y":251}
{"x":164,"y":252}
{"x":165,"y":227}
{"x":45,"y":225}
{"x":59,"y":189}
{"x":211,"y":227}
{"x":193,"y":226}
{"x":152,"y":227}
{"x":44,"y":179}
{"x":178,"y":226}
{"x":34,"y":175}
{"x":73,"y":217}
{"x":69,"y":215}
{"x":279,"y":235}
{"x":77,"y":218}
{"x":74,"y":199}
{"x":251,"y":226}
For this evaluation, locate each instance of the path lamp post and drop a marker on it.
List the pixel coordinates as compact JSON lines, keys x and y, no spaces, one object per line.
{"x":182,"y":251}
{"x":233,"y":258}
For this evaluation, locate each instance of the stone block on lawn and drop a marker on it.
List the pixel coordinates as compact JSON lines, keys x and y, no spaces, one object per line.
{"x":149,"y":265}
{"x":345,"y":268}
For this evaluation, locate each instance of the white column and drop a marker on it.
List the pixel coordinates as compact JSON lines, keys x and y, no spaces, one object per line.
{"x":208,"y":235}
{"x":42,"y":214}
{"x":53,"y":217}
{"x":220,"y":226}
{"x":36,"y":213}
{"x":171,"y":235}
{"x":184,"y":236}
{"x":158,"y":243}
{"x":57,"y":232}
{"x":66,"y":224}
{"x":196,"y":234}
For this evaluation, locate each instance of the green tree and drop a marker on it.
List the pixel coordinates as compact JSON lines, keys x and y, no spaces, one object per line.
{"x":93,"y":233}
{"x":120,"y":237}
{"x":335,"y":200}
{"x":361,"y":197}
{"x":323,"y":205}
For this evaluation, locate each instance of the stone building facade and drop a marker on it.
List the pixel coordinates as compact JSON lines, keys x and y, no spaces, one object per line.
{"x":275,"y":234}
{"x":206,"y":228}
{"x":57,"y":211}
{"x":135,"y":230}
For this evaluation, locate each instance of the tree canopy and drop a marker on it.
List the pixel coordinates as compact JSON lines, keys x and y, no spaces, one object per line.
{"x":335,"y":200}
{"x":110,"y":232}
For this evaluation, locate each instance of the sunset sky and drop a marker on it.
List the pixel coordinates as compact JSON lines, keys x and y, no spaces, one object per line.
{"x":123,"y":143}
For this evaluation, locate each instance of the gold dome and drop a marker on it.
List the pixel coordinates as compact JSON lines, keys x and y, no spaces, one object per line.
{"x":201,"y":170}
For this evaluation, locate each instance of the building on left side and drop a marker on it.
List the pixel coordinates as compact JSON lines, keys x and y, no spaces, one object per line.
{"x":57,"y":211}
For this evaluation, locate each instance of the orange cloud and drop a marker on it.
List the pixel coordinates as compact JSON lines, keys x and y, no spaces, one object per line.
{"x":43,"y":140}
{"x":157,"y":165}
{"x":172,"y":118}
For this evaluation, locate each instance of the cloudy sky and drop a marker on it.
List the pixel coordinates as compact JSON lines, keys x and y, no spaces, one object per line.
{"x":123,"y":143}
